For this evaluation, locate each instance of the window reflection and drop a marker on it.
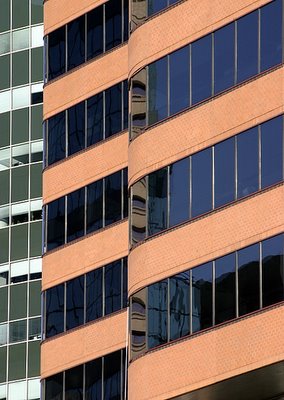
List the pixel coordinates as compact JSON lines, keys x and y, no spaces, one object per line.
{"x":157,"y":201}
{"x":138,"y":217}
{"x":157,"y":314}
{"x":179,"y":305}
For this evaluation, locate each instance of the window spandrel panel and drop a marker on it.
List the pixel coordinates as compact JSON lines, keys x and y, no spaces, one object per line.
{"x":179,"y":305}
{"x":74,"y":383}
{"x":157,"y":314}
{"x":56,"y":138}
{"x":201,"y":69}
{"x":93,"y":380}
{"x":138,"y":211}
{"x":56,"y":223}
{"x":94,"y":294}
{"x":75,"y":302}
{"x":201,"y":182}
{"x":179,"y":80}
{"x":54,"y":323}
{"x":95,"y":206}
{"x":76,"y":128}
{"x":179,"y":192}
{"x":76,"y":42}
{"x":75,"y":214}
{"x":113,"y":110}
{"x":113,"y":287}
{"x":157,"y":201}
{"x":113,"y":24}
{"x":54,"y":387}
{"x":113,"y":200}
{"x":95,"y":119}
{"x":56,"y":53}
{"x":157,"y":91}
{"x":202,"y":297}
{"x":95,"y":32}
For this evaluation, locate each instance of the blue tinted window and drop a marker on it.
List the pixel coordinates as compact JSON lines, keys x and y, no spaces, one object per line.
{"x":125,"y":285}
{"x":125,"y":19}
{"x":93,"y":379}
{"x":179,"y":305}
{"x":56,"y":138}
{"x":94,"y":206}
{"x":113,"y":24}
{"x":125,"y":105}
{"x":158,"y":201}
{"x":56,"y":53}
{"x":54,"y":387}
{"x":202,"y":297}
{"x":75,"y":214}
{"x":94,"y":294}
{"x":271,"y":35}
{"x":247,"y":150}
{"x":155,"y":6}
{"x":125,"y":193}
{"x":179,"y":192}
{"x":113,"y":287}
{"x":273,"y":270}
{"x":113,"y":110}
{"x":248,"y":279}
{"x":225,"y":288}
{"x":95,"y":122}
{"x":271,"y":151}
{"x":158,"y":90}
{"x":75,"y":302}
{"x":201,"y":182}
{"x":201,"y":67}
{"x":179,"y":80}
{"x":76,"y":42}
{"x":95,"y":32}
{"x":56,"y":223}
{"x":74,"y":383}
{"x":112,"y":376}
{"x":157,"y":314}
{"x":224,"y":58}
{"x":247,"y":46}
{"x":113,"y":201}
{"x":224,"y":172}
{"x":54,"y":310}
{"x":76,"y":128}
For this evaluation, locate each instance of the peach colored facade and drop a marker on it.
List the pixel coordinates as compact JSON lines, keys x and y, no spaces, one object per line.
{"x":215,"y":355}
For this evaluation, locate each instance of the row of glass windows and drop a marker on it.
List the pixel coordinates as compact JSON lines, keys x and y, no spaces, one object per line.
{"x":211,"y":178}
{"x":103,"y":378}
{"x":21,"y":154}
{"x":140,"y":10}
{"x":206,"y":67}
{"x":20,"y":271}
{"x":85,"y":298}
{"x":88,"y":36}
{"x":21,"y":97}
{"x":21,"y":390}
{"x":86,"y":123}
{"x":218,"y":291}
{"x":20,"y":331}
{"x":22,"y":39}
{"x":86,"y":210}
{"x":18,"y":13}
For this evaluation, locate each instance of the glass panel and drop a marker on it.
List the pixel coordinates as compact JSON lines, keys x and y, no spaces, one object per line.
{"x":37,"y":36}
{"x":248,"y":277}
{"x":37,"y":11}
{"x":138,"y":323}
{"x":19,"y":242}
{"x":3,"y":335}
{"x":113,"y":203}
{"x":4,"y":245}
{"x":271,"y":35}
{"x":113,"y":287}
{"x":179,"y":80}
{"x":273,"y":270}
{"x":201,"y":182}
{"x":56,"y":53}
{"x":179,"y":305}
{"x":34,"y":296}
{"x":20,"y":183}
{"x":3,"y":364}
{"x":202,"y":297}
{"x":36,"y":128}
{"x":37,"y":93}
{"x":34,"y":359}
{"x":21,"y":97}
{"x":247,"y":46}
{"x":158,"y":201}
{"x":17,"y":390}
{"x":138,"y":215}
{"x":224,"y":58}
{"x":18,"y":301}
{"x":224,"y":172}
{"x":4,"y":275}
{"x":75,"y":214}
{"x":54,"y":387}
{"x":155,"y":6}
{"x":179,"y":192}
{"x":138,"y":13}
{"x":125,"y":20}
{"x":5,"y":43}
{"x":56,"y":223}
{"x":138,"y":103}
{"x":76,"y":128}
{"x":113,"y":110}
{"x":201,"y":69}
{"x":112,"y":376}
{"x":157,"y":313}
{"x":95,"y":32}
{"x":19,"y":271}
{"x":20,"y":13}
{"x":75,"y":302}
{"x":4,"y":193}
{"x":36,"y":180}
{"x":21,"y":39}
{"x":34,"y":328}
{"x":5,"y":158}
{"x":93,"y":380}
{"x":95,"y":119}
{"x":17,"y":361}
{"x":74,"y":383}
{"x":5,"y":101}
{"x":54,"y":310}
{"x":225,"y":288}
{"x":56,"y":138}
{"x":5,"y":130}
{"x":247,"y":154}
{"x":18,"y":331}
{"x":94,"y":294}
{"x":76,"y":42}
{"x":94,"y":206}
{"x":125,"y":192}
{"x":5,"y":15}
{"x":113,"y":24}
{"x":3,"y":304}
{"x":124,"y":283}
{"x":20,"y":155}
{"x":271,"y":151}
{"x":158,"y":90}
{"x":125,"y":105}
{"x":34,"y":389}
{"x":37,"y":68}
{"x":20,"y":126}
{"x":5,"y":72}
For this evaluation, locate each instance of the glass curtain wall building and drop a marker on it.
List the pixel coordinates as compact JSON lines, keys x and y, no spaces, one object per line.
{"x":21,"y":146}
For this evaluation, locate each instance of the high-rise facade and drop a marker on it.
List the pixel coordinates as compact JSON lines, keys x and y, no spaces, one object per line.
{"x":163,"y":198}
{"x":21,"y":149}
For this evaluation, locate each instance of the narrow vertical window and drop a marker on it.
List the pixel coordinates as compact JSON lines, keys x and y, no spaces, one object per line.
{"x":138,"y":323}
{"x":75,"y":302}
{"x":113,"y":110}
{"x":179,"y":192}
{"x":93,"y":380}
{"x":95,"y":119}
{"x":157,"y":314}
{"x":138,"y":211}
{"x":179,"y":80}
{"x":56,"y":138}
{"x":113,"y":201}
{"x":112,"y":376}
{"x":158,"y":90}
{"x":56,"y":223}
{"x":158,"y":201}
{"x":201,"y":69}
{"x":201,"y":182}
{"x":76,"y":128}
{"x":94,"y":206}
{"x":138,"y":103}
{"x":54,"y":323}
{"x":56,"y":53}
{"x":113,"y":287}
{"x":94,"y":294}
{"x":76,"y":42}
{"x":179,"y":305}
{"x":95,"y":32}
{"x":75,"y":214}
{"x":113,"y":23}
{"x":202,"y":297}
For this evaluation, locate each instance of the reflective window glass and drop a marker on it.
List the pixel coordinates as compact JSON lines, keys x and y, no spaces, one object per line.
{"x":201,"y":182}
{"x":5,"y":39}
{"x":76,"y":42}
{"x":34,"y":359}
{"x":94,"y":206}
{"x":76,"y":128}
{"x":74,"y":383}
{"x":113,"y":110}
{"x":20,"y":126}
{"x":3,"y":304}
{"x":56,"y":223}
{"x":138,"y":323}
{"x":5,"y":130}
{"x":138,"y":103}
{"x":18,"y":331}
{"x":19,"y":242}
{"x":4,"y":244}
{"x":125,"y":105}
{"x":158,"y":201}
{"x":54,"y":310}
{"x":36,"y":64}
{"x":34,"y":328}
{"x":179,"y":80}
{"x":20,"y":13}
{"x":94,"y":294}
{"x":4,"y":192}
{"x":56,"y":138}
{"x":247,"y":46}
{"x":247,"y":161}
{"x":113,"y":24}
{"x":179,"y":192}
{"x":17,"y":362}
{"x":5,"y":15}
{"x":95,"y":119}
{"x":113,"y":201}
{"x":224,"y":172}
{"x":179,"y":305}
{"x":248,"y":279}
{"x":113,"y":287}
{"x":75,"y":302}
{"x":155,"y":6}
{"x":124,"y":283}
{"x":201,"y":69}
{"x":34,"y":294}
{"x":3,"y":336}
{"x":3,"y":364}
{"x":112,"y":376}
{"x":21,"y":97}
{"x":56,"y":53}
{"x":95,"y":32}
{"x":158,"y":90}
{"x":21,"y":39}
{"x":75,"y":214}
{"x":5,"y":72}
{"x":138,"y":212}
{"x":93,"y":380}
{"x":157,"y":314}
{"x":273,"y":270}
{"x":202,"y":297}
{"x":54,"y":387}
{"x":20,"y":183}
{"x":37,"y":11}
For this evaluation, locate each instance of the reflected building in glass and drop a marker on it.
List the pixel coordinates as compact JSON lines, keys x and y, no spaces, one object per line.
{"x":21,"y":149}
{"x":163,"y":218}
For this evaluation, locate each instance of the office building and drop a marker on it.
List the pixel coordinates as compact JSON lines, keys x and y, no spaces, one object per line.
{"x":163,"y":200}
{"x":21,"y":145}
